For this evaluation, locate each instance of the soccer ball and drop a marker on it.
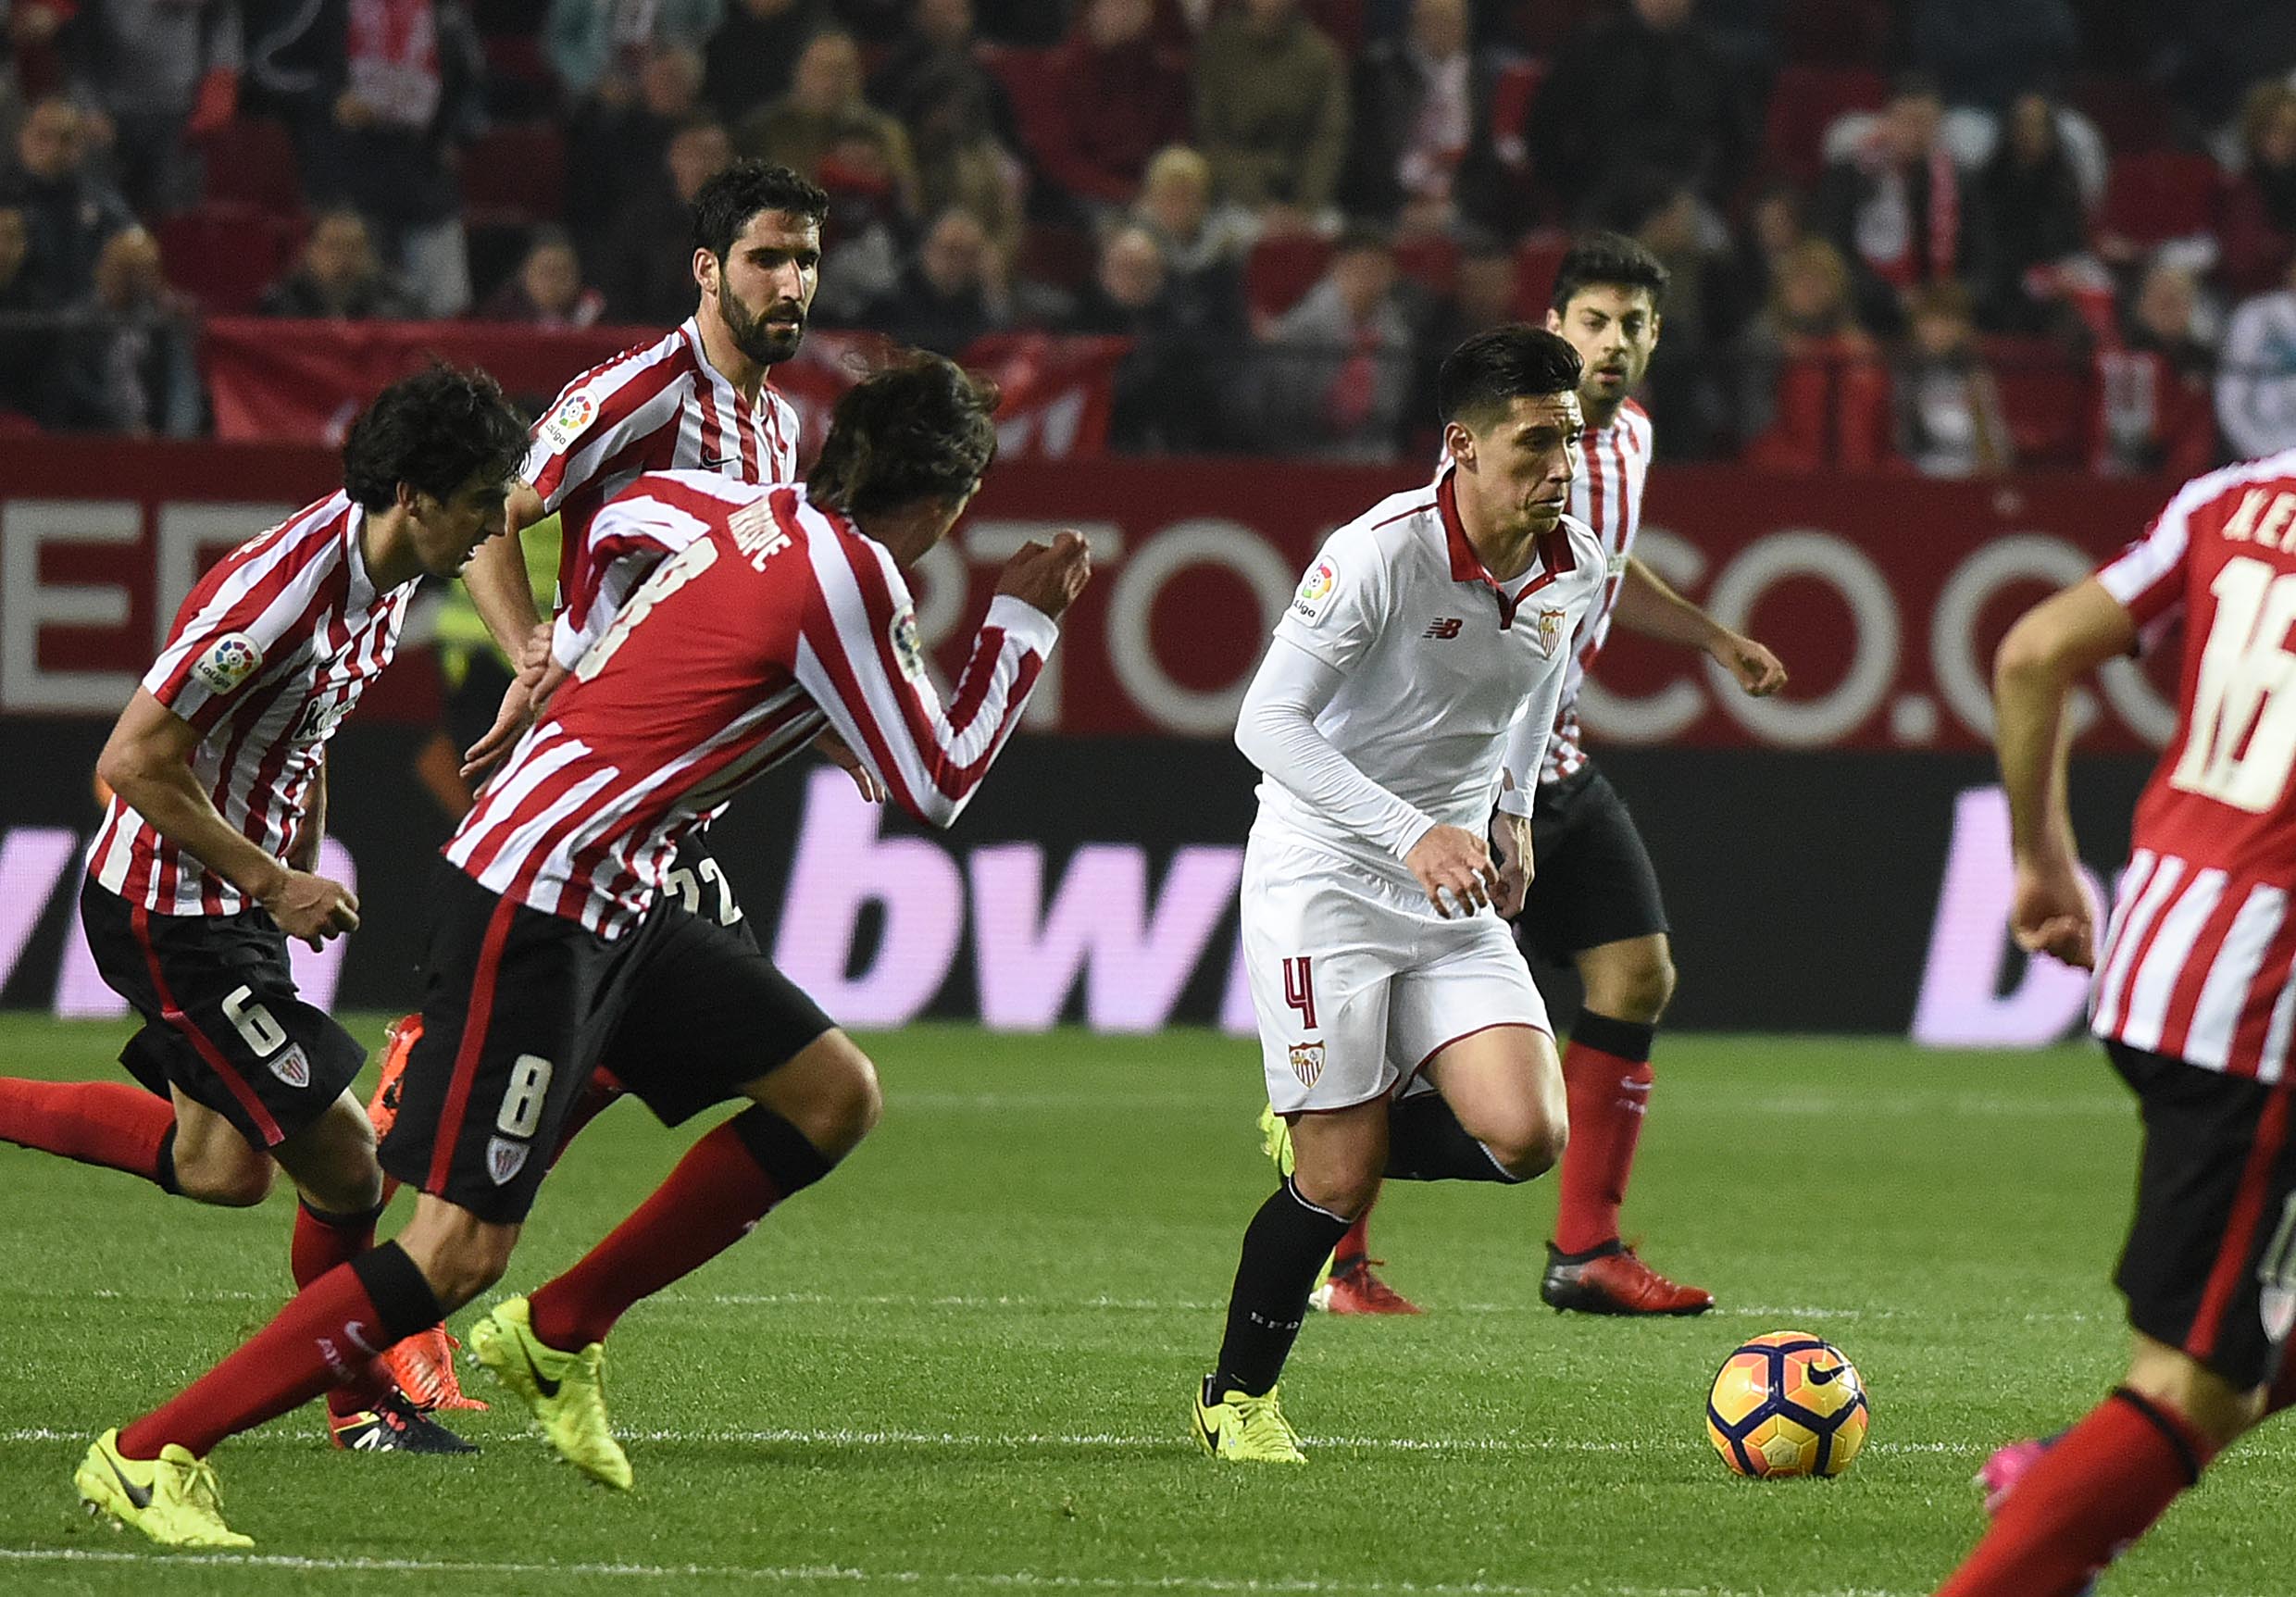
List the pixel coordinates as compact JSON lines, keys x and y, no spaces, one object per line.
{"x":1787,"y":1403}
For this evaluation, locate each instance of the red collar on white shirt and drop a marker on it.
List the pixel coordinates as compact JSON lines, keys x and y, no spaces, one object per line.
{"x":1555,"y":556}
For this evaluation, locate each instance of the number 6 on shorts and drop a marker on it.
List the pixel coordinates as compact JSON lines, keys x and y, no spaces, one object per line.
{"x":523,"y":1101}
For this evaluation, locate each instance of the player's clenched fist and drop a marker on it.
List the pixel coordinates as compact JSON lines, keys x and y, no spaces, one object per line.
{"x":2050,"y":913}
{"x":1048,"y":577}
{"x":312,"y":908}
{"x":1452,"y":859}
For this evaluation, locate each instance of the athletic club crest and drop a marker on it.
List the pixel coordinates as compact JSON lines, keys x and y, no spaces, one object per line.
{"x":1307,"y":1061}
{"x":505,"y":1158}
{"x":292,"y":1066}
{"x":1550,"y":632}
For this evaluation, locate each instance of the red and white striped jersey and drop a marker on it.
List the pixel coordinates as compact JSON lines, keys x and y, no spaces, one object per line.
{"x":655,"y":408}
{"x":1607,"y":496}
{"x":2198,"y":959}
{"x":268,"y":654}
{"x":781,"y":618}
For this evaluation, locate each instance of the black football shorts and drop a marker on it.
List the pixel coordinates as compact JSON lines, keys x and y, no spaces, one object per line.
{"x":2210,"y":1262}
{"x":221,"y":1016}
{"x":520,"y":1008}
{"x":1593,"y":881}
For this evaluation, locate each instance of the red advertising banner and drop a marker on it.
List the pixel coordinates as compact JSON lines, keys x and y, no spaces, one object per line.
{"x":302,"y":381}
{"x":1885,"y":596}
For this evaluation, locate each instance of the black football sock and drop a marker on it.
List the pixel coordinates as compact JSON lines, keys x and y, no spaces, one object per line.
{"x":1283,"y":1247}
{"x":1426,"y":1142}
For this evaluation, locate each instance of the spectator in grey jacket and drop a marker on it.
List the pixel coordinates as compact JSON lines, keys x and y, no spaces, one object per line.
{"x":1336,"y":369}
{"x":153,"y":69}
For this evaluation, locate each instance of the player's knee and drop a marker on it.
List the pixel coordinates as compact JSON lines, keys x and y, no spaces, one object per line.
{"x":829,"y":1093}
{"x":1527,"y":1145}
{"x":1641,"y":989}
{"x":2203,"y":1399}
{"x":229,"y":1177}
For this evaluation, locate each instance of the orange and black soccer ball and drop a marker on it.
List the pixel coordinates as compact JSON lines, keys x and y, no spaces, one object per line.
{"x":1787,"y":1403}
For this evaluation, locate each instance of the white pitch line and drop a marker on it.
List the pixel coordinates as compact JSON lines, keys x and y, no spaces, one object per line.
{"x":830,"y":1574}
{"x":1104,"y":1440}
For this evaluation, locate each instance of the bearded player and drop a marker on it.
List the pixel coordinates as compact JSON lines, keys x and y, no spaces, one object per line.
{"x":1594,"y":902}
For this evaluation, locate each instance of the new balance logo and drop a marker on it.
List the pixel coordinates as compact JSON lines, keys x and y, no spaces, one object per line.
{"x":1443,"y":626}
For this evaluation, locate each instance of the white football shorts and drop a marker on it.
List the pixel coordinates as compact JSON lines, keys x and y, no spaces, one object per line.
{"x":1358,"y":983}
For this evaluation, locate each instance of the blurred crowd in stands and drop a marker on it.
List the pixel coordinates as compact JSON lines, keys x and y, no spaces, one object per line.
{"x":1954,"y":236}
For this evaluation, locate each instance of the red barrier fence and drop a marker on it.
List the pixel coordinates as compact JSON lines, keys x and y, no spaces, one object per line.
{"x":302,"y":382}
{"x":1885,"y":595}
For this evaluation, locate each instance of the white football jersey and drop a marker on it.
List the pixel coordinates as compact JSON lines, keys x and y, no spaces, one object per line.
{"x":1440,"y":663}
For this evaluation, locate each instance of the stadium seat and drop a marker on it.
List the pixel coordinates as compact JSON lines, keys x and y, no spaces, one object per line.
{"x":225,"y":255}
{"x":1061,"y":256}
{"x":515,"y":176}
{"x":1283,"y":268}
{"x":1430,"y":260}
{"x":2158,"y":195}
{"x":1537,"y":259}
{"x":1803,"y":104}
{"x":250,"y":161}
{"x":1542,"y":26}
{"x":2128,"y":112}
{"x":2045,"y":399}
{"x":1029,"y":83}
{"x":1844,"y":33}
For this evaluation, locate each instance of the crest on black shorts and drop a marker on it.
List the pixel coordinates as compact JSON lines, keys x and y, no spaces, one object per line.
{"x":505,"y":1158}
{"x":292,"y":1066}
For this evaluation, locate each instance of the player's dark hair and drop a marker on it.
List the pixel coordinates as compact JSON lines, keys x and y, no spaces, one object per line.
{"x":921,"y":428}
{"x":1495,"y":367}
{"x":724,"y":205}
{"x":1609,"y":260}
{"x":433,"y":432}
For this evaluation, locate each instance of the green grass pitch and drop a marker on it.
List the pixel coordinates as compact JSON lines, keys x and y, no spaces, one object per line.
{"x":963,"y":1365}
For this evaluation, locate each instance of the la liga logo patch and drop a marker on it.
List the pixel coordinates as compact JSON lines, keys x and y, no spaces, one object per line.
{"x":565,"y":424}
{"x":228,"y":662}
{"x":1317,"y":590}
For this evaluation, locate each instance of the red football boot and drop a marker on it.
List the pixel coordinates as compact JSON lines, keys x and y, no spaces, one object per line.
{"x":1611,"y":1280}
{"x":1353,"y":1289}
{"x":398,"y":1042}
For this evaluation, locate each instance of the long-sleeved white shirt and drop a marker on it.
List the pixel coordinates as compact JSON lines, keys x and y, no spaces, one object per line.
{"x":1403,"y":680}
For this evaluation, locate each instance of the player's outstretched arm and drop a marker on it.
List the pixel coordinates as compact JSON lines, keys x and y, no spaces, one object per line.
{"x":2053,"y":644}
{"x":1648,"y":606}
{"x":147,"y":762}
{"x":861,"y":667}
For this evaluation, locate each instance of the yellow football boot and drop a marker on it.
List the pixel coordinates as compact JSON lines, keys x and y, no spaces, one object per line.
{"x":565,"y":1391}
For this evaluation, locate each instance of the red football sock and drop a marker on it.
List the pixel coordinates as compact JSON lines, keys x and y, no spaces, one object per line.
{"x":2097,"y":1488}
{"x":710,"y":1202}
{"x":322,"y":1337}
{"x":106,"y":1123}
{"x":322,"y":1242}
{"x":1608,"y":1090}
{"x":1355,"y":1246}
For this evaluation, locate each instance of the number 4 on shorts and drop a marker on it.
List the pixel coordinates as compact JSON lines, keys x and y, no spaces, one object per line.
{"x":1299,"y":988}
